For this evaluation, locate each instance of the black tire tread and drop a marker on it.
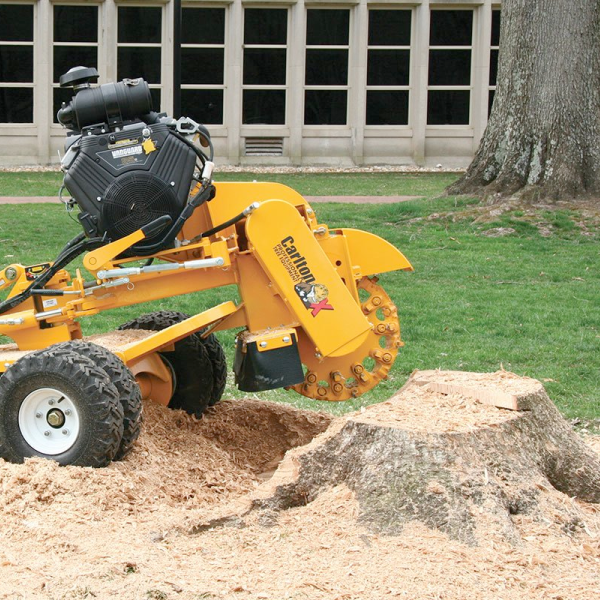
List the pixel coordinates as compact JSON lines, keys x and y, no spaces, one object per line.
{"x":192,"y":347}
{"x":93,"y":383}
{"x":127,"y":387}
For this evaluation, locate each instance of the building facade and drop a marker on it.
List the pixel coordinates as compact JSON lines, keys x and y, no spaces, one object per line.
{"x":286,"y":82}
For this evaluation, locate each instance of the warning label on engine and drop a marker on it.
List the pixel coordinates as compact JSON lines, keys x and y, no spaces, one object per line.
{"x":127,"y":151}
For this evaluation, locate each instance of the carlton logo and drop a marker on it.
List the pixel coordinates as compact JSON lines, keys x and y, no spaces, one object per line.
{"x":314,"y":297}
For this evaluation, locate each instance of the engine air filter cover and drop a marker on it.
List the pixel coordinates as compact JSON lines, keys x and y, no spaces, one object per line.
{"x":135,"y":199}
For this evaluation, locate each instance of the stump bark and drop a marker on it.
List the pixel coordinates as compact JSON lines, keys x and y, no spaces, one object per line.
{"x":441,"y":452}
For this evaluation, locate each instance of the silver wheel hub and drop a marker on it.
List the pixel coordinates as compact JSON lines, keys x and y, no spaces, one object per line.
{"x":49,"y":421}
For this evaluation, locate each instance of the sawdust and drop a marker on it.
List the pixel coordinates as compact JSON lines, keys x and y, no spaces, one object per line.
{"x":121,"y":532}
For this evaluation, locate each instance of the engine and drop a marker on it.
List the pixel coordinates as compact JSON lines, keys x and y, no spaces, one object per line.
{"x":126,"y":166}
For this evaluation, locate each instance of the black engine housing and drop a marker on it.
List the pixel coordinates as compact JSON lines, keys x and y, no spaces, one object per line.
{"x":126,"y":179}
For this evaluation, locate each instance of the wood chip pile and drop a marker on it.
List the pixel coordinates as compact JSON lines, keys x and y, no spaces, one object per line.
{"x":124,"y":531}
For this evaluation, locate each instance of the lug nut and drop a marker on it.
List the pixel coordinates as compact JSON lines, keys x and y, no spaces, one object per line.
{"x":51,"y":401}
{"x":68,"y":412}
{"x":376,"y":300}
{"x":311,"y":378}
{"x":46,"y":433}
{"x":38,"y":415}
{"x":65,"y":432}
{"x":387,"y":357}
{"x":337,"y":388}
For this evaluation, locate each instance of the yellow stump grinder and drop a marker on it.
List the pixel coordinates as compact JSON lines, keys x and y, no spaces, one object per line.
{"x":311,"y":315}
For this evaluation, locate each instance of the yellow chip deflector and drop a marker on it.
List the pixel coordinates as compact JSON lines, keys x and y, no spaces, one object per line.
{"x":305,"y":278}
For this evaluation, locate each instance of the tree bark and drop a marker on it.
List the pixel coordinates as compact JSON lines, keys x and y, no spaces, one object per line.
{"x":441,"y":458}
{"x":543,"y":135}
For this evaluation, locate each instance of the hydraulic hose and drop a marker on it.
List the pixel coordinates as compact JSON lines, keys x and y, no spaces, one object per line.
{"x":70,"y":252}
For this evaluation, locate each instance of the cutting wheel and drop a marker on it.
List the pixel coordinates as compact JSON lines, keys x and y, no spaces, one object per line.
{"x":349,"y":376}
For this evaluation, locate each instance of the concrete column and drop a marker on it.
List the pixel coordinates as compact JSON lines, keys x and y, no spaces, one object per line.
{"x":295,"y":87}
{"x":233,"y":80}
{"x":107,"y":41}
{"x":482,"y":40}
{"x":419,"y":74}
{"x":42,"y":78}
{"x":357,"y":80}
{"x":166,"y":77}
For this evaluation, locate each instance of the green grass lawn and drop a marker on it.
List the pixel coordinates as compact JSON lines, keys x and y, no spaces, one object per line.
{"x":308,"y":184}
{"x":523,"y":302}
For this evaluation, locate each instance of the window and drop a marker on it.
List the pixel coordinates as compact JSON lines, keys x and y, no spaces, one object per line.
{"x":388,"y":67}
{"x":203,"y":64}
{"x":75,"y":31}
{"x":494,"y":57}
{"x":265,"y":66}
{"x":326,"y":74}
{"x":450,"y":48}
{"x":16,"y":63}
{"x":139,"y":37}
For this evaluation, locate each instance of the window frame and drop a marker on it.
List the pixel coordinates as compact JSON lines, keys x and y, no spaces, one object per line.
{"x":223,"y":46}
{"x":24,"y":85}
{"x":161,"y":45}
{"x":285,"y":87}
{"x":347,"y":47}
{"x":451,"y":88}
{"x":408,"y":88}
{"x":56,"y":85}
{"x":493,"y":47}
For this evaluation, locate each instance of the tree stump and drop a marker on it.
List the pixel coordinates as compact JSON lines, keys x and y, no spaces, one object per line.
{"x":442,"y":452}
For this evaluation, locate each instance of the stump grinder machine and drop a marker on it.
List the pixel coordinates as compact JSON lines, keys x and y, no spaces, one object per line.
{"x":311,"y":315}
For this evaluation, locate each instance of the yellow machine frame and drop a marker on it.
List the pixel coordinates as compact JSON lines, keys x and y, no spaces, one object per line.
{"x":278,"y":250}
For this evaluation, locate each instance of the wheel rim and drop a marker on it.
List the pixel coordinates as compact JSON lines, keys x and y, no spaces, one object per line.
{"x":49,"y":421}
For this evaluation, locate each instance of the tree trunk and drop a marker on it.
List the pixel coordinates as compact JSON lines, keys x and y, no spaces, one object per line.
{"x":435,"y":453}
{"x":543,"y":135}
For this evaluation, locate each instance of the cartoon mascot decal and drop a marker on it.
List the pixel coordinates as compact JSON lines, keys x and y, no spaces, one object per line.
{"x":314,"y":297}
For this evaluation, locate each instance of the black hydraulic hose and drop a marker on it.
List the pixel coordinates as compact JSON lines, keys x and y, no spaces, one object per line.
{"x":68,"y":255}
{"x":205,"y":194}
{"x":203,"y":158}
{"x":220,"y":227}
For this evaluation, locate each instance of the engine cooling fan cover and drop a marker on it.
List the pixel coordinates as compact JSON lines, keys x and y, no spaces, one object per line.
{"x":135,"y":199}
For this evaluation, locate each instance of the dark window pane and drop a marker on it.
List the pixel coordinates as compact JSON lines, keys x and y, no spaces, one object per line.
{"x":389,"y":27}
{"x":139,"y":62}
{"x":326,"y":67}
{"x":491,"y":101}
{"x":327,"y":27}
{"x":387,"y":107}
{"x":448,"y":107}
{"x":76,"y":24}
{"x":60,"y":96}
{"x":449,"y":67}
{"x":202,"y":65}
{"x":264,"y":107}
{"x":388,"y":67}
{"x":204,"y":106}
{"x":155,"y":100}
{"x":325,"y":107}
{"x":16,"y":23}
{"x":265,"y":26}
{"x":264,"y":66}
{"x":139,"y":24}
{"x":493,"y":66}
{"x":16,"y":64}
{"x":495,"y":28}
{"x":451,"y":28}
{"x":16,"y":105}
{"x":67,"y":57}
{"x":203,"y":26}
